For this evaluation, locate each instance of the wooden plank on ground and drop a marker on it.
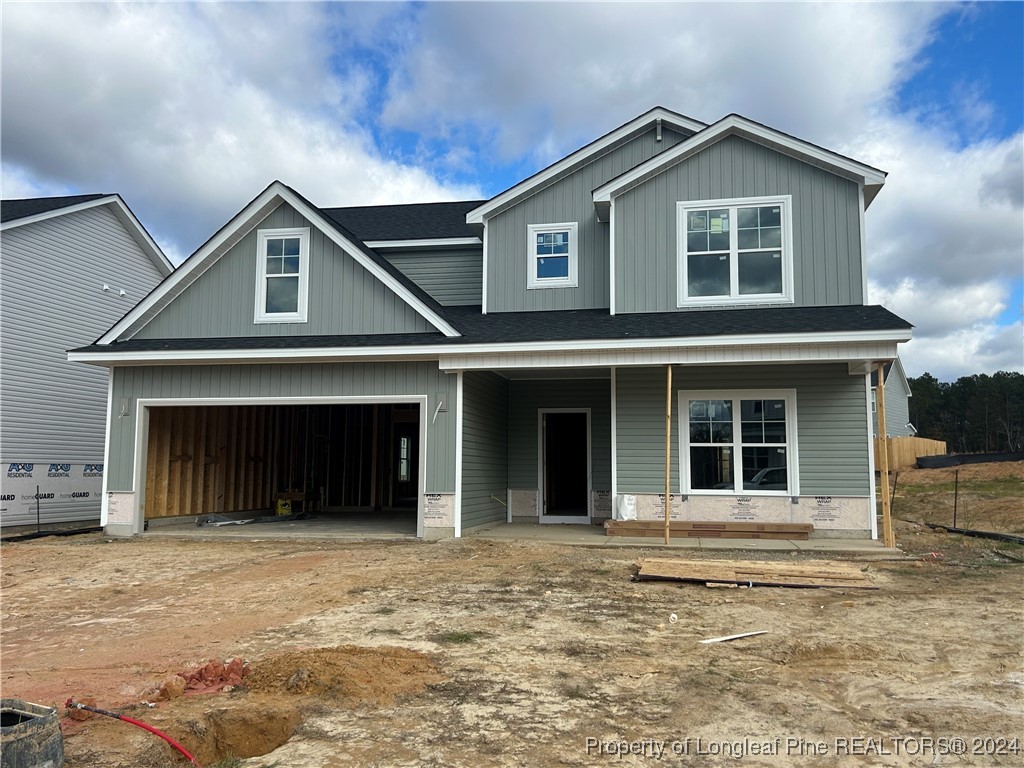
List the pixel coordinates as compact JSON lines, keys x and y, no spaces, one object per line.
{"x":809,"y":574}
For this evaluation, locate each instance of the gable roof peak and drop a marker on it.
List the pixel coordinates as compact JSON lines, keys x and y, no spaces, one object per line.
{"x":582,"y":156}
{"x":738,"y":125}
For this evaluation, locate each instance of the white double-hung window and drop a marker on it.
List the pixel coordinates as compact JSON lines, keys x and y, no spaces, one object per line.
{"x":282,"y":275}
{"x":739,"y":442}
{"x":552,"y":255}
{"x":735,"y":251}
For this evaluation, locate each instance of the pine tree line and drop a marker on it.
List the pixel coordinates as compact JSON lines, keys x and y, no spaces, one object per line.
{"x":975,"y":414}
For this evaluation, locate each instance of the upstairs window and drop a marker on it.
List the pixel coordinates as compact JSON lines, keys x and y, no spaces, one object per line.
{"x":735,"y":251}
{"x":282,"y":276}
{"x":551,"y":256}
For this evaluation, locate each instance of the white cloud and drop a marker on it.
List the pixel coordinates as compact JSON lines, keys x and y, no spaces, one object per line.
{"x":544,"y":78}
{"x":189,"y":111}
{"x":945,"y":212}
{"x":980,"y":349}
{"x":938,"y":311}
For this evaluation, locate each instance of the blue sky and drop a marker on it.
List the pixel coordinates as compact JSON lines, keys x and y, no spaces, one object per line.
{"x":189,"y":110}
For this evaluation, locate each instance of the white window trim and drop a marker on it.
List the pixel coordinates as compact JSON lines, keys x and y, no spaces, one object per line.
{"x":260,"y":314}
{"x":792,"y":457}
{"x":532,"y":281}
{"x":684,"y":300}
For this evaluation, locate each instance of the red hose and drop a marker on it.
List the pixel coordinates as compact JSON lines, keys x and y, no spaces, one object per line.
{"x":75,"y":705}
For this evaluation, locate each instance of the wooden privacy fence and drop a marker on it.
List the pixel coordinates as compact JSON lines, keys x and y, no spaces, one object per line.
{"x":903,"y":451}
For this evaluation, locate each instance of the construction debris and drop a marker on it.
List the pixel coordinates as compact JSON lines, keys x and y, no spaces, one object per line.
{"x":727,"y":638}
{"x":755,"y":574}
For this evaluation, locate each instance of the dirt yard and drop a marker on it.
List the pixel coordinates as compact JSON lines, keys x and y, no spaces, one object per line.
{"x":475,"y":653}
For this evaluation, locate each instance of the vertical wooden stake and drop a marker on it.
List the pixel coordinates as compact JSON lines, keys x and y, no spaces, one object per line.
{"x":668,"y":453}
{"x":889,"y":538}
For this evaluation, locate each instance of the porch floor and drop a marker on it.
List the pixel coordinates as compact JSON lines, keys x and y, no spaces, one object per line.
{"x":594,"y":535}
{"x":400,"y":525}
{"x":357,"y":525}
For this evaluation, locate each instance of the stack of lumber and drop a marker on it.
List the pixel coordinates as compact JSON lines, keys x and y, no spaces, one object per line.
{"x":756,"y":574}
{"x":709,"y":530}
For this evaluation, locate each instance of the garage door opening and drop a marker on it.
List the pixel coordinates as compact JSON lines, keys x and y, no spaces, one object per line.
{"x":354,"y":464}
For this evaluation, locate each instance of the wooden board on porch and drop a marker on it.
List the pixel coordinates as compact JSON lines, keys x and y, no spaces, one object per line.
{"x":701,"y":525}
{"x":758,"y":574}
{"x":689,"y":529}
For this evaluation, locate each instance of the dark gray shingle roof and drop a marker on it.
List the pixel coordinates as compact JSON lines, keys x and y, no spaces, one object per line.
{"x":33,"y":206}
{"x":565,"y":325}
{"x":415,"y":221}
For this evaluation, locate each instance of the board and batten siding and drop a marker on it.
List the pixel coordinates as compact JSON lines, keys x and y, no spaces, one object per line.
{"x":527,"y":397}
{"x":569,"y":199}
{"x":452,"y":277}
{"x":897,"y":409}
{"x":826,"y":224}
{"x":484,"y":448}
{"x":344,"y":299}
{"x":52,"y":300}
{"x":832,"y":439}
{"x":132,"y":383}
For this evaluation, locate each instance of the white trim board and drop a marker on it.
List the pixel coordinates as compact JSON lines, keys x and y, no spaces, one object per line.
{"x":581,"y":157}
{"x":243,"y":222}
{"x":459,"y":390}
{"x":857,"y":345}
{"x":435,"y":242}
{"x":740,"y":126}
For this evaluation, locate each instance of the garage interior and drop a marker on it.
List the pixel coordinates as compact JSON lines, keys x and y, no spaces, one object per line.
{"x":349,"y":463}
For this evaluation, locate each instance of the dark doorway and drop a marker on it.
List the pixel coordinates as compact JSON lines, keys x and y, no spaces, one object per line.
{"x":565,"y":460}
{"x":404,"y":460}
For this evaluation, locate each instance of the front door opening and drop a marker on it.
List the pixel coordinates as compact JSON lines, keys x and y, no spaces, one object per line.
{"x":565,"y":465}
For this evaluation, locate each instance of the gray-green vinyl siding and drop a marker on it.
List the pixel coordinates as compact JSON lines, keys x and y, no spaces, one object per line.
{"x":343,"y":297}
{"x":294,"y":381}
{"x":826,"y":224}
{"x":52,"y":301}
{"x":832,"y":439}
{"x":526,"y":398}
{"x":484,"y":448}
{"x":452,"y":277}
{"x":897,"y":409}
{"x":569,"y":199}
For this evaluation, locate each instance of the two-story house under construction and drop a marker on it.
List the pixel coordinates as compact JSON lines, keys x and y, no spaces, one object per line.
{"x":449,"y":365}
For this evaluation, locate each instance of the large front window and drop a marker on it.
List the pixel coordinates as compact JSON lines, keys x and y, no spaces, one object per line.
{"x":735,"y":251}
{"x":282,"y":275}
{"x":739,"y":442}
{"x":551,"y":255}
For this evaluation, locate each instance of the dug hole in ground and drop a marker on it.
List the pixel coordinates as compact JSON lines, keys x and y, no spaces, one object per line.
{"x":478,"y":653}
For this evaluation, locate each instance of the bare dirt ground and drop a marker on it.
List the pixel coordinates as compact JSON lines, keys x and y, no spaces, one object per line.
{"x":477,"y":653}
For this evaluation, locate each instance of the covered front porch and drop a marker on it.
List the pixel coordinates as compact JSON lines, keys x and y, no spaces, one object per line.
{"x":757,"y":442}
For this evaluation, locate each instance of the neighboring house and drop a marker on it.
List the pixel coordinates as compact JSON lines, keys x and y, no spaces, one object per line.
{"x":897,"y":402}
{"x":71,"y":267}
{"x":450,"y":365}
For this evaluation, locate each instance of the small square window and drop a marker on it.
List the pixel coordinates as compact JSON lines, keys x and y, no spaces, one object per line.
{"x":552,"y":255}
